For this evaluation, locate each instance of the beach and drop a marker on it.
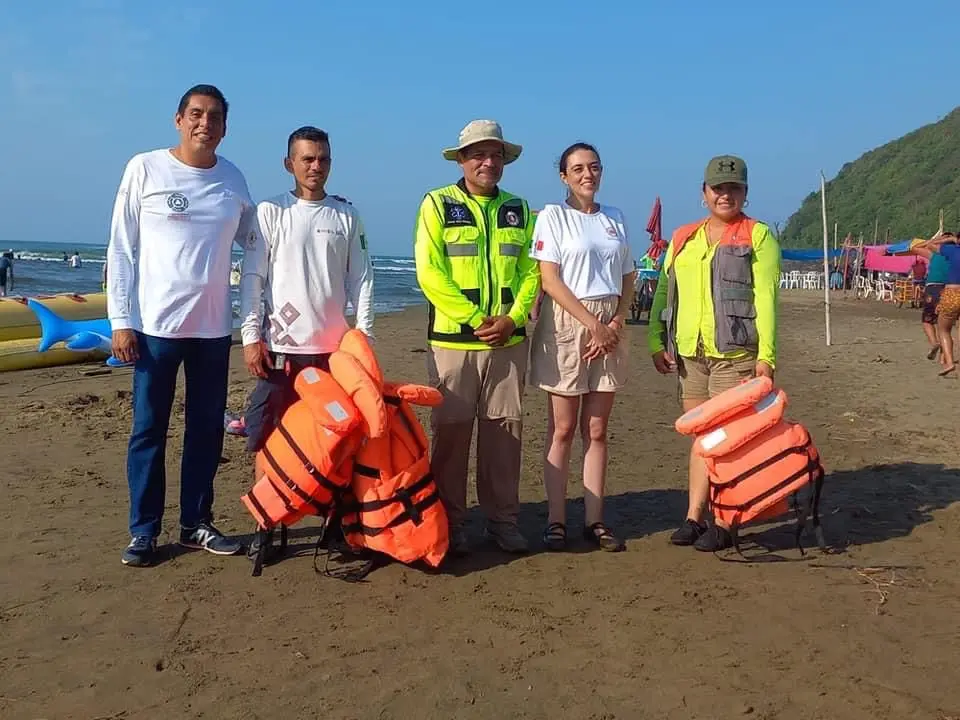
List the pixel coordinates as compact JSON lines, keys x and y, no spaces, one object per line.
{"x":866,"y":630}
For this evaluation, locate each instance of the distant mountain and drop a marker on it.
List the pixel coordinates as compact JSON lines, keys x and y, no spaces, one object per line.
{"x":904,"y":183}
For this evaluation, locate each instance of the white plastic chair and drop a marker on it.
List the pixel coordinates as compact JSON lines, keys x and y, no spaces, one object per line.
{"x":884,"y":290}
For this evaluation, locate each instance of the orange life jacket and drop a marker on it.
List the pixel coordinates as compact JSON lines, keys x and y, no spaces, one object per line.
{"x":305,"y":458}
{"x":755,"y":481}
{"x":393,"y":505}
{"x":756,"y":461}
{"x":354,"y":365}
{"x":725,"y":405}
{"x":733,"y":432}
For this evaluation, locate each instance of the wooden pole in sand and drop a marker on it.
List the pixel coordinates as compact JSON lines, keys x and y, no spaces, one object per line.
{"x":826,"y":248}
{"x":835,"y":226}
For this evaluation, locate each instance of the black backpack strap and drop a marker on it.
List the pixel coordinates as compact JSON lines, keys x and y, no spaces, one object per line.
{"x":817,"y":490}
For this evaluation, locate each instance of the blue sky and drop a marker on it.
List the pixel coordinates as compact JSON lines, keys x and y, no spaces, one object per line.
{"x":792,"y":87}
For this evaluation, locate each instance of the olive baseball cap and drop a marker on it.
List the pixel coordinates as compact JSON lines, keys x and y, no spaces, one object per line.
{"x":725,"y":169}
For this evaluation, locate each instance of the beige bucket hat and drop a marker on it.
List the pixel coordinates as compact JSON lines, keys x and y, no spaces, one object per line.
{"x":479,"y":130}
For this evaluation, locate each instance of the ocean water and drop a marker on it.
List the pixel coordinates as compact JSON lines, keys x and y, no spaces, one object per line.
{"x":40,"y":269}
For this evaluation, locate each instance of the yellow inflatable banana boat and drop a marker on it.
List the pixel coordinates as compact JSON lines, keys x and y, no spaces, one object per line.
{"x":20,"y":330}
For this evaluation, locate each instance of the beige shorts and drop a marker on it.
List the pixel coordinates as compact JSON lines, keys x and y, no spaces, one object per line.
{"x":559,"y":342}
{"x":485,"y":384}
{"x":703,"y":378}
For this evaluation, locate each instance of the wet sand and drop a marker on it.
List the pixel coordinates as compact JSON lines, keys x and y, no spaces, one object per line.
{"x":867,"y":630}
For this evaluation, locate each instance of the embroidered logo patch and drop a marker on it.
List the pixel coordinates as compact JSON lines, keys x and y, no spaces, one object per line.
{"x":457,"y":214}
{"x":177,"y":202}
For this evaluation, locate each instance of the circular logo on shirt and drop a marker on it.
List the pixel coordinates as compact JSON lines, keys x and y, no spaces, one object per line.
{"x":458,"y":213}
{"x":178,"y":202}
{"x":513,"y":220}
{"x":612,"y":232}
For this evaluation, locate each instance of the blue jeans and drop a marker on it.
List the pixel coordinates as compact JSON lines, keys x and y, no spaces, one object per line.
{"x":205,"y":365}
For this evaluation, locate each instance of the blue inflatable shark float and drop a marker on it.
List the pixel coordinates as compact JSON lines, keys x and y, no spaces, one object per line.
{"x":76,"y":335}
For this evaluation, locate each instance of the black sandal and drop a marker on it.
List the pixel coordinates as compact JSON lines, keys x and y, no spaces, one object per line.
{"x":555,"y":537}
{"x":601,"y":536}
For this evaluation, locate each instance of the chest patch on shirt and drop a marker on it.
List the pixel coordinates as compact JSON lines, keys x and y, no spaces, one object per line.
{"x":457,"y":214}
{"x":177,"y":202}
{"x":510,"y":215}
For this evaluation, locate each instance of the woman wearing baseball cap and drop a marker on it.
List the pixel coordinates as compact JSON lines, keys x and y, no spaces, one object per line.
{"x":714,"y":315}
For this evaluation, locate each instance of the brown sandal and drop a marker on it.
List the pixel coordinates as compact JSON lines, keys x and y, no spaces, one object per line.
{"x":601,"y":536}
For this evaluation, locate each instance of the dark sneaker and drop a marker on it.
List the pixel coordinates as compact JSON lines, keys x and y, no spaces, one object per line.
{"x":508,"y":537}
{"x":459,"y":545}
{"x":715,"y":538}
{"x":688,"y":533}
{"x":206,"y":537}
{"x":141,"y":551}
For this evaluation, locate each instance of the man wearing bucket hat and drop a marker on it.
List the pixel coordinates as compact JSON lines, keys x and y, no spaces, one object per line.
{"x":472,"y":249}
{"x":714,"y":315}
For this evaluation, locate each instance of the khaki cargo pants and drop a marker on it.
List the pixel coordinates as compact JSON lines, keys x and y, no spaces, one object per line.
{"x":487,"y":386}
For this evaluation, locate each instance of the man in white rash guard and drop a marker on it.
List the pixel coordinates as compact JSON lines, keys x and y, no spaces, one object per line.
{"x":317,"y":262}
{"x":177,"y":215}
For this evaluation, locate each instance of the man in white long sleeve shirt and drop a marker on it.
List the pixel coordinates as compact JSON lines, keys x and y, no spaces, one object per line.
{"x":176,"y":218}
{"x":317,"y":263}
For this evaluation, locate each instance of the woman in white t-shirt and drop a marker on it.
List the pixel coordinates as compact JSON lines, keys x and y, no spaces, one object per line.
{"x":578,"y":354}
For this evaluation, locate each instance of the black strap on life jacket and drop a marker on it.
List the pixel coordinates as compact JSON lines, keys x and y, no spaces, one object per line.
{"x":320,"y":508}
{"x":412,"y":509}
{"x":263,"y":540}
{"x":348,"y":556}
{"x":263,"y":521}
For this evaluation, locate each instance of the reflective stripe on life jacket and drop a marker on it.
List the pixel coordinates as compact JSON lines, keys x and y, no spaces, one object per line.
{"x":393,"y":506}
{"x":306,"y":455}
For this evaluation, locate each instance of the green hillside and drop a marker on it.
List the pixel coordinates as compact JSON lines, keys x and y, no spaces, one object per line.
{"x":904,"y":184}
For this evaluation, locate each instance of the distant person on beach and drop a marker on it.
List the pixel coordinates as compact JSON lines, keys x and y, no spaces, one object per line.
{"x":578,"y":354}
{"x":177,"y":215}
{"x":918,"y":273}
{"x":75,"y":261}
{"x":714,"y":315}
{"x":948,"y":308}
{"x":937,"y":271}
{"x":6,"y":273}
{"x":103,"y":276}
{"x":472,"y":251}
{"x":315,"y":261}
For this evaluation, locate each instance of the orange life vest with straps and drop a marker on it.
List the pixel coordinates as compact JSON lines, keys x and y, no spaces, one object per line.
{"x":756,"y":461}
{"x":306,"y":458}
{"x":734,"y":309}
{"x":393,"y":505}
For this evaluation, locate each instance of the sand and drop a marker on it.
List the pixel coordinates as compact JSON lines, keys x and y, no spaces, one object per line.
{"x":868,"y":630}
